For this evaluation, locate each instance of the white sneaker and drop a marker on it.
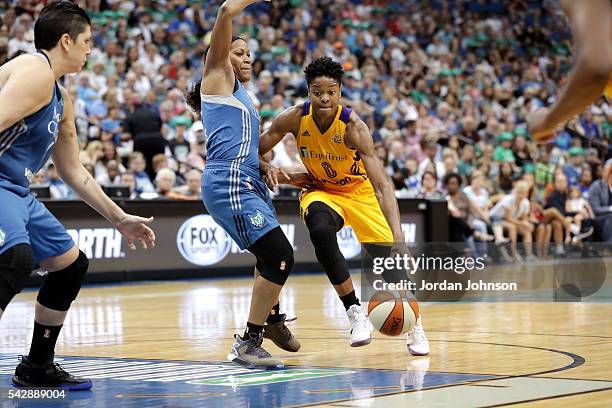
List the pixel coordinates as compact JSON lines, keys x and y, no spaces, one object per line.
{"x":361,"y":330}
{"x":417,"y":343}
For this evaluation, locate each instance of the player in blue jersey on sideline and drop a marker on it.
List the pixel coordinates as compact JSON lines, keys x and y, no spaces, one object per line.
{"x":37,"y":122}
{"x":233,"y":190}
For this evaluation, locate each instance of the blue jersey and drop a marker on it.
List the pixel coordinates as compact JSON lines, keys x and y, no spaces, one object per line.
{"x":232,"y":189}
{"x":231,"y":126}
{"x":26,"y":146}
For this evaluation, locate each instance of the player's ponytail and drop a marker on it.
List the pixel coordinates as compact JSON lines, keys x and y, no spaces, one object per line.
{"x":193,"y":97}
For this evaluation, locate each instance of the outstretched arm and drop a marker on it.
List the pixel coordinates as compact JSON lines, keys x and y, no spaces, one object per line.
{"x":592,"y":32}
{"x":70,"y":169}
{"x":358,"y":136}
{"x":217,"y":70}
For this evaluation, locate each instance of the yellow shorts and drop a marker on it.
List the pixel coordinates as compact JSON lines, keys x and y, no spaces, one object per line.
{"x":360,"y":211}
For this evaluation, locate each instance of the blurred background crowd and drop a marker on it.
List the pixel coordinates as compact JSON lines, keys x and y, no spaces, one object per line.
{"x":444,"y":86}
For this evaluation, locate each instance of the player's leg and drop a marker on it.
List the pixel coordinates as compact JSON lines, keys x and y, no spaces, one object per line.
{"x":56,"y":253}
{"x":275,"y":328}
{"x":276,"y":256}
{"x":323,"y":222}
{"x":371,"y":227}
{"x":16,"y":264}
{"x":253,"y":226}
{"x":16,"y":259}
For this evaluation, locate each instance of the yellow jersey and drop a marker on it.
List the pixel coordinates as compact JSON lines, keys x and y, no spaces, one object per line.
{"x":337,"y":167}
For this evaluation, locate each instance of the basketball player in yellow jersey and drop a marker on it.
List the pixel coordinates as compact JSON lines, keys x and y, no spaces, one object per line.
{"x":352,"y":187}
{"x":591,"y":23}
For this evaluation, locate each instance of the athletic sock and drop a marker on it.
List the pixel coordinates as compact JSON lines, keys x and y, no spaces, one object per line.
{"x":349,"y":300}
{"x":43,"y":343}
{"x":252,"y":331}
{"x":275,"y":315}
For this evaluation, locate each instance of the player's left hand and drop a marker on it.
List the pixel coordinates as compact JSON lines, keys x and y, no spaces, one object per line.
{"x":135,"y":228}
{"x":539,"y":126}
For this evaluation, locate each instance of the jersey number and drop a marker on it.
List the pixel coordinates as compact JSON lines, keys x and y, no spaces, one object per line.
{"x":329,"y":171}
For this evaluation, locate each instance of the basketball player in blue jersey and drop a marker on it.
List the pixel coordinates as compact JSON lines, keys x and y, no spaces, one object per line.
{"x":232,"y":188}
{"x":37,"y":122}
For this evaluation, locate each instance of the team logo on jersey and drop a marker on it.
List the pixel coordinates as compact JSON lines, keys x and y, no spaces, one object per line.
{"x":337,"y":138}
{"x":304,"y":151}
{"x":257,"y":219}
{"x":305,"y":133}
{"x":2,"y":236}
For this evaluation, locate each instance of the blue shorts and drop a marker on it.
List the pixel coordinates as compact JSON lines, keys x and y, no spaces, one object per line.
{"x":241,"y":204}
{"x":25,"y":220}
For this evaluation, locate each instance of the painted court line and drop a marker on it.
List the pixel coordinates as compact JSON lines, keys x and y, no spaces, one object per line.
{"x":505,"y":391}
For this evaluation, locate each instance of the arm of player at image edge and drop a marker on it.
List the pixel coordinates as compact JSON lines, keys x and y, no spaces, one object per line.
{"x":592,"y":33}
{"x":358,"y":136}
{"x":66,"y":160}
{"x":21,"y":95}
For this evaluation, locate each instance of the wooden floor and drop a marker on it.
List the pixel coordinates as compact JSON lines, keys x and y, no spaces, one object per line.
{"x":552,"y":354}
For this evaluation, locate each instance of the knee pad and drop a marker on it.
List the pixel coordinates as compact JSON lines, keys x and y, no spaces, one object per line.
{"x":16,"y":265}
{"x":274,"y":256}
{"x":322,"y":232}
{"x":322,"y":226}
{"x":62,"y":287}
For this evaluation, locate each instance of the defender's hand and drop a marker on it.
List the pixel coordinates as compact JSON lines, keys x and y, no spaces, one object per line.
{"x":135,"y":228}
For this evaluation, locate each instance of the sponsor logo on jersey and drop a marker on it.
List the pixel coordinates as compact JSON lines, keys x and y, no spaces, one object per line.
{"x":327,"y":156}
{"x":337,"y":138}
{"x":304,"y":151}
{"x":98,"y":243}
{"x":258,"y":220}
{"x":201,"y":241}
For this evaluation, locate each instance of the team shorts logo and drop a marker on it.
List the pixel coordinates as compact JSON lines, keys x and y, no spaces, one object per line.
{"x":2,"y":237}
{"x":257,"y":219}
{"x":201,"y":241}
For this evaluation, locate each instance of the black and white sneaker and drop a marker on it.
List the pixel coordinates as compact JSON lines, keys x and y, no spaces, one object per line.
{"x":49,"y":374}
{"x":249,"y":353}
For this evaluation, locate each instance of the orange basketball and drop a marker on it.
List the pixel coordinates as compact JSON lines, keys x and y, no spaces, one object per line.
{"x":392,"y":315}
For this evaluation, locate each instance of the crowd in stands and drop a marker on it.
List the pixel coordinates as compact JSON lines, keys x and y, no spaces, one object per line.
{"x":444,"y":86}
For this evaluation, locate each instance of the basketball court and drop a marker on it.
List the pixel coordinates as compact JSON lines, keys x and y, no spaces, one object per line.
{"x":163,"y":344}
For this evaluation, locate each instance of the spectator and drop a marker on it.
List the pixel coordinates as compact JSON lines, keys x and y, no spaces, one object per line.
{"x":59,"y":190}
{"x":600,"y":198}
{"x":574,"y":168}
{"x":164,"y":182}
{"x":429,"y":187}
{"x":512,"y":213}
{"x":143,"y":126}
{"x":137,"y":166}
{"x":192,"y":189}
